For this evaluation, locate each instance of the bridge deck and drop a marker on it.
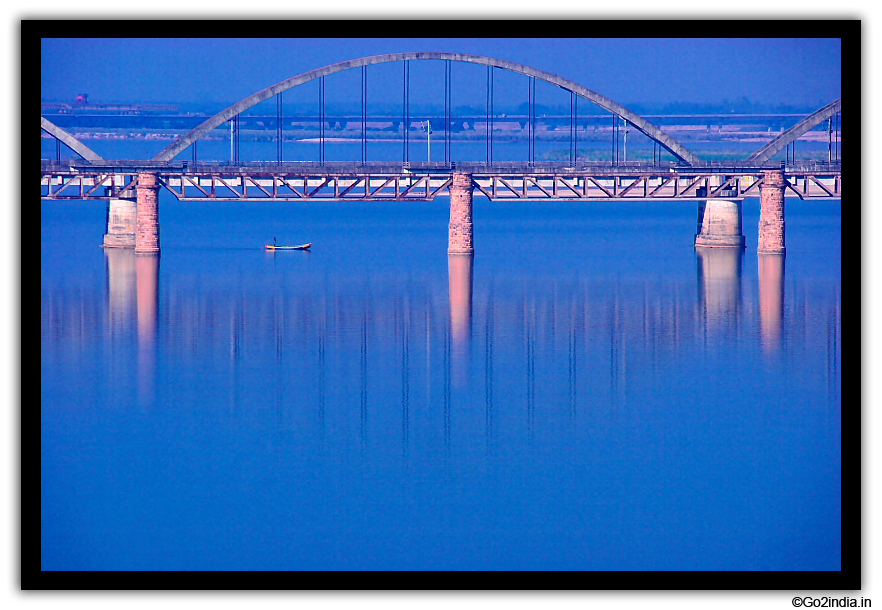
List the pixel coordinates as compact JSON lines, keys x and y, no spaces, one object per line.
{"x":425,"y":181}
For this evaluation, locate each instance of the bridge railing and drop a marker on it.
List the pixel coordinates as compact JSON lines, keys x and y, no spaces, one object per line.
{"x":739,"y":166}
{"x":134,"y":165}
{"x":819,"y":167}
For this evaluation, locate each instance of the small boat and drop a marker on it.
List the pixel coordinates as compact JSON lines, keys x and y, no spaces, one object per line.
{"x":303,"y":247}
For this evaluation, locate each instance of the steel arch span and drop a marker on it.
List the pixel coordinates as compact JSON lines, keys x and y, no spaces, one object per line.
{"x":642,"y":125}
{"x":790,"y":136}
{"x":76,"y":145}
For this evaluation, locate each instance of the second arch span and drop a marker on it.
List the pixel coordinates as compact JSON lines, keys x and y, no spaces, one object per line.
{"x":641,"y":124}
{"x":789,"y":136}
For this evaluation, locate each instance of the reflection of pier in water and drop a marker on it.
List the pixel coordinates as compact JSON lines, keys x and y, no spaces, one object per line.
{"x":770,"y":269}
{"x":719,"y":288}
{"x":133,"y":297}
{"x":459,"y":268}
{"x":121,"y":289}
{"x":147,"y":277}
{"x":347,"y":353}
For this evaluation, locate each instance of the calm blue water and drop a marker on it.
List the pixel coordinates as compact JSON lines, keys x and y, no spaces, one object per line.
{"x":589,"y":392}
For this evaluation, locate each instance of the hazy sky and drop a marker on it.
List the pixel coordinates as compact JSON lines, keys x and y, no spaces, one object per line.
{"x":641,"y":71}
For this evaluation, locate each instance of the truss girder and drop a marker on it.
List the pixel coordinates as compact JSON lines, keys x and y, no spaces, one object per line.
{"x":503,"y":186}
{"x":86,"y":185}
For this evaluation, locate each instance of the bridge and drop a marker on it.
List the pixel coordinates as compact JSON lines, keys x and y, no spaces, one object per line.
{"x":131,"y":186}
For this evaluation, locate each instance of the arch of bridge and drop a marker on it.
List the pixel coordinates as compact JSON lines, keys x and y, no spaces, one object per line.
{"x":791,"y":135}
{"x":78,"y":147}
{"x":641,"y":124}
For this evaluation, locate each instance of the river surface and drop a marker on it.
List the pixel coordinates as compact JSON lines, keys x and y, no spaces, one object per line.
{"x":587,"y":392}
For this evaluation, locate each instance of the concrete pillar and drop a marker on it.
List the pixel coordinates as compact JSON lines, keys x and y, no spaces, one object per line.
{"x":147,"y":227}
{"x":459,"y":240}
{"x":719,"y":224}
{"x":122,"y":218}
{"x":771,"y":223}
{"x":771,"y":299}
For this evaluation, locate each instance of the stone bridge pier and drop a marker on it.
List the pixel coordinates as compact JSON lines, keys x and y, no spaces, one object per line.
{"x":147,"y":226}
{"x":771,"y":223}
{"x":459,"y":239}
{"x":460,"y":255}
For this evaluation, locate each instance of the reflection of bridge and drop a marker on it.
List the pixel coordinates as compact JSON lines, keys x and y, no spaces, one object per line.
{"x":455,"y":336}
{"x":131,"y":187}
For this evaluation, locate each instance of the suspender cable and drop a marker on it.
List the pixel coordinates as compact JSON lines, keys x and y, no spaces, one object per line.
{"x":572,"y":127}
{"x":835,"y":137}
{"x":830,"y":140}
{"x":838,"y":135}
{"x":447,"y":111}
{"x":615,"y":140}
{"x":487,"y":123}
{"x":575,"y":129}
{"x":234,"y":139}
{"x":278,"y":128}
{"x":406,"y":103}
{"x":533,"y":121}
{"x":322,"y":120}
{"x":446,"y":122}
{"x":363,"y":115}
{"x":612,"y":150}
{"x":618,"y":148}
{"x":530,"y":119}
{"x":491,"y":114}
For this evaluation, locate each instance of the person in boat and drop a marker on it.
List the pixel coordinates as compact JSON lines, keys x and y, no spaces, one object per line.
{"x":274,"y":242}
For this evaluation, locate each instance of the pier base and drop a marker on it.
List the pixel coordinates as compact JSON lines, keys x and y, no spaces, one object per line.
{"x":719,"y":224}
{"x":147,"y":227}
{"x":459,"y":239}
{"x":771,"y":223}
{"x":121,"y":221}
